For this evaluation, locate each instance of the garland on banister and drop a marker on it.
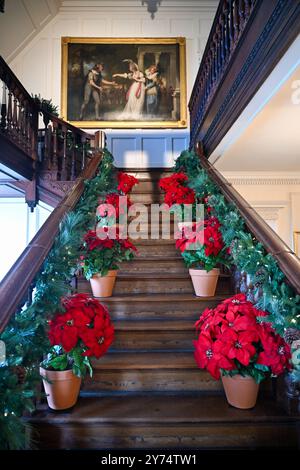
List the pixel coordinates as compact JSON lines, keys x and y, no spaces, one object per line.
{"x":25,"y":336}
{"x":269,"y":290}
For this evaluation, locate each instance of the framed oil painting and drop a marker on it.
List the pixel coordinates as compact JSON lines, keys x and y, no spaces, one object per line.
{"x":124,"y":83}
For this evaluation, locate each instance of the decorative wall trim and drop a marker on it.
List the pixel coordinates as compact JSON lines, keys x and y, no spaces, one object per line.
{"x":262,"y":180}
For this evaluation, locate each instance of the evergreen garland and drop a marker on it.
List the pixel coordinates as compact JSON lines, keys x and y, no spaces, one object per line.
{"x":271,"y":291}
{"x":25,"y":336}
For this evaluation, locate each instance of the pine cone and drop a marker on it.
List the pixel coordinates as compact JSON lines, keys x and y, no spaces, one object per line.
{"x":20,"y":373}
{"x":291,"y":335}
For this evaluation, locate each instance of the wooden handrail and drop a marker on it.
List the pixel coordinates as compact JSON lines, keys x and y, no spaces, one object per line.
{"x":17,"y":282}
{"x":63,"y":149}
{"x":287,"y":260}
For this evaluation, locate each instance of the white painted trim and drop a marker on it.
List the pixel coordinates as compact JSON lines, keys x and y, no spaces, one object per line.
{"x":283,"y":70}
{"x":262,"y":179}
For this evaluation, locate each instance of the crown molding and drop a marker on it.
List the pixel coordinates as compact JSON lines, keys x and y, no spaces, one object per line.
{"x":261,"y":179}
{"x":136,"y":6}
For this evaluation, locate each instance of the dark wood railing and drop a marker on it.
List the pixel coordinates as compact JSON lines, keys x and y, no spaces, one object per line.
{"x":288,"y":262}
{"x":16,"y":287}
{"x":58,"y":148}
{"x":63,"y":148}
{"x":19,"y":114}
{"x":247,"y":39}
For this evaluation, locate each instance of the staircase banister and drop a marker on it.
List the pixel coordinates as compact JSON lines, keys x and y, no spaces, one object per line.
{"x":206,"y":52}
{"x":70,"y":127}
{"x":13,"y":83}
{"x":19,"y":278}
{"x":287,"y":260}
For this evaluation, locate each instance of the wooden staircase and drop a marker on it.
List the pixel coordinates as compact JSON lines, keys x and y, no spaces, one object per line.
{"x":147,"y":392}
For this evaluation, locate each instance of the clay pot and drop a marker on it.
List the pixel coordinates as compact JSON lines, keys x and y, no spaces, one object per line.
{"x":61,"y":387}
{"x":241,"y":392}
{"x":181,"y":225}
{"x":102,"y":286}
{"x":204,"y":282}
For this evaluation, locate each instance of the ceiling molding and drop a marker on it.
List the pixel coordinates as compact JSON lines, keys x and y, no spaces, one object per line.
{"x":136,"y":5}
{"x":261,"y":179}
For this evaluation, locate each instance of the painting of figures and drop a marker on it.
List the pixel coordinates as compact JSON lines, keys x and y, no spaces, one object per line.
{"x":124,"y":82}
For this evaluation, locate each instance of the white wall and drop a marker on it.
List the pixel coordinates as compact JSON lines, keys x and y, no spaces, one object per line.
{"x":275,"y":196}
{"x":20,"y":226}
{"x":38,"y":66}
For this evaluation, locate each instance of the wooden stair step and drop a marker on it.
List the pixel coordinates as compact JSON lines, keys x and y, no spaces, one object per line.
{"x":156,"y":422}
{"x":155,"y":282}
{"x":147,"y":360}
{"x":153,"y":335}
{"x":154,"y":325}
{"x":139,"y":371}
{"x":152,"y":264}
{"x":158,"y":306}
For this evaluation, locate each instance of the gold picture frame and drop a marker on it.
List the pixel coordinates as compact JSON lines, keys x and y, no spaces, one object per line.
{"x":157,"y":63}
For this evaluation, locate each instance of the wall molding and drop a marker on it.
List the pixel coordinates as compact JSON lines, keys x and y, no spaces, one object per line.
{"x":261,"y":179}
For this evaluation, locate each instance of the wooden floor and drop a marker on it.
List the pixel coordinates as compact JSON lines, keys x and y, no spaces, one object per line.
{"x":147,"y":391}
{"x":168,"y":421}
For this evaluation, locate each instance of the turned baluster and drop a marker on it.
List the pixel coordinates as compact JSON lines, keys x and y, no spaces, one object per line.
{"x":222,"y":40}
{"x":28,"y":130}
{"x":219,"y":49}
{"x":214,"y":60}
{"x":3,"y":109}
{"x":236,"y":20}
{"x":73,"y":159}
{"x":83,"y":153}
{"x":20,"y":124}
{"x":47,"y":158}
{"x":15,"y":118}
{"x":241,"y":8}
{"x":34,"y":126}
{"x":226,"y":29}
{"x":246,"y":9}
{"x":54,"y":148}
{"x":208,"y":74}
{"x":9,"y":112}
{"x":64,"y":154}
{"x":25,"y":129}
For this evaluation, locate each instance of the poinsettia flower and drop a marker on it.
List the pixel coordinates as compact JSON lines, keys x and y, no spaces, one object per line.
{"x":276,"y":352}
{"x":63,"y":331}
{"x":175,"y":180}
{"x":208,"y":356}
{"x":97,"y":341}
{"x":239,"y":346}
{"x":126,"y":182}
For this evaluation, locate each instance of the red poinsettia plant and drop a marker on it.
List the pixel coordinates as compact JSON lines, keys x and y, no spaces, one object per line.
{"x":176,"y":190}
{"x":100,"y":253}
{"x":236,"y":338}
{"x":126,"y":182}
{"x":202,"y":245}
{"x":116,"y":204}
{"x":82,"y":329}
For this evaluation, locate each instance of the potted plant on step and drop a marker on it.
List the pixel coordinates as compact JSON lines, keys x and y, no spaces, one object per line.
{"x":178,"y":196}
{"x":237,"y":344}
{"x":101,"y":257}
{"x":113,"y":206}
{"x":83,"y":329}
{"x":203,"y":249}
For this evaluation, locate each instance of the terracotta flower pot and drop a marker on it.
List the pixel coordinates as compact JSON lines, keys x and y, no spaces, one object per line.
{"x":102,"y":286}
{"x":204,"y":282}
{"x":62,"y":389}
{"x":241,"y":392}
{"x":181,"y":225}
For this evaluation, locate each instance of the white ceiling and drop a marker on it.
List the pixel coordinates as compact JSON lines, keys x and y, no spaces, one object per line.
{"x":271,"y":142}
{"x":21,"y":21}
